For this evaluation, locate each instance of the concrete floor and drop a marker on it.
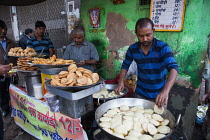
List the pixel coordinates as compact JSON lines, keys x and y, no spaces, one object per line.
{"x":197,"y":133}
{"x":13,"y":131}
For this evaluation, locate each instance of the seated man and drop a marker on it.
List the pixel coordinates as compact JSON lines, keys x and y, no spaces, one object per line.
{"x":39,"y":42}
{"x":82,"y":50}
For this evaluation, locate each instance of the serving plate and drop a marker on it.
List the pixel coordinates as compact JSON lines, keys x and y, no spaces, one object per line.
{"x":12,"y":71}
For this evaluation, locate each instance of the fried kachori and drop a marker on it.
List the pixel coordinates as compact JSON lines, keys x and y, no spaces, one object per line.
{"x":75,"y":76}
{"x":52,"y":61}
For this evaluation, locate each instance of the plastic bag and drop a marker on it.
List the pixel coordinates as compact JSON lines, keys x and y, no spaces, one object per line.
{"x":132,"y":70}
{"x":52,"y":101}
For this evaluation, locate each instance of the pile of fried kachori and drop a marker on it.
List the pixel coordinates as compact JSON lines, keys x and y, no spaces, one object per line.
{"x":75,"y":76}
{"x":52,"y":61}
{"x":23,"y":65}
{"x":18,"y":51}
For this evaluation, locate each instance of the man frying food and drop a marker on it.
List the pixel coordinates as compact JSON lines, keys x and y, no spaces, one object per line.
{"x":153,"y":57}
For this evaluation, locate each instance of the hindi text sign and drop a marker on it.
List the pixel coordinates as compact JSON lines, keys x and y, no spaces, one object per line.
{"x":167,"y":15}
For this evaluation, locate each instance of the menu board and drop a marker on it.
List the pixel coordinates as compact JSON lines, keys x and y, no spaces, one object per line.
{"x":167,"y":15}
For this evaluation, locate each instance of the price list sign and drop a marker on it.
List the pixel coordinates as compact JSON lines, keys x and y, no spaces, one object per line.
{"x":167,"y":15}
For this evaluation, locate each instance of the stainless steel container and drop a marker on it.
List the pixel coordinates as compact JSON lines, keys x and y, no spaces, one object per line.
{"x":76,"y":108}
{"x":21,"y":79}
{"x":32,"y":78}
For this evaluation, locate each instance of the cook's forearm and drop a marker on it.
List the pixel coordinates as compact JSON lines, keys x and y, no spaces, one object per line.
{"x":170,"y":81}
{"x":92,"y":61}
{"x":123,"y":73}
{"x":51,"y":50}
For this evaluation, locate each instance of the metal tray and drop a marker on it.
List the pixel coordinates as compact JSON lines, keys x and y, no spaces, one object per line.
{"x":42,"y":66}
{"x":73,"y":95}
{"x":18,"y":56}
{"x":28,"y":71}
{"x":47,"y":83}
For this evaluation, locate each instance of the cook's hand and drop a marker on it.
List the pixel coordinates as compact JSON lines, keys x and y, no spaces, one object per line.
{"x":119,"y":88}
{"x":81,"y":63}
{"x":4,"y":69}
{"x":162,"y":99}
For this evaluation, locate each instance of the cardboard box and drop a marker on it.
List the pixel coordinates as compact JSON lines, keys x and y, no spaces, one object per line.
{"x":44,"y":78}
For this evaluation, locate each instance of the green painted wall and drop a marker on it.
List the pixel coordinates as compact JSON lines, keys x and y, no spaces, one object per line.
{"x":189,"y":46}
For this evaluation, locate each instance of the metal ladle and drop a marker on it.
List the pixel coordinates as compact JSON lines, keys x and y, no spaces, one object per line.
{"x":41,"y":51}
{"x":104,"y":67}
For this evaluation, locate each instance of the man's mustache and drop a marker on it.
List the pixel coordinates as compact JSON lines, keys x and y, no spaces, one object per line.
{"x":145,"y":42}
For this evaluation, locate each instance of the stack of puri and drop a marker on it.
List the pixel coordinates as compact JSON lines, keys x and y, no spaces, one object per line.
{"x":75,"y":76}
{"x":24,"y":66}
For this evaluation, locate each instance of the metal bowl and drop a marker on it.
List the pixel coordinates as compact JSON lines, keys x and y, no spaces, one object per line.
{"x":111,"y":87}
{"x":53,"y":71}
{"x":132,"y":102}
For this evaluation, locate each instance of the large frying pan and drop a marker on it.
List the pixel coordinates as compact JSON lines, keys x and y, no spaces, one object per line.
{"x":132,"y":102}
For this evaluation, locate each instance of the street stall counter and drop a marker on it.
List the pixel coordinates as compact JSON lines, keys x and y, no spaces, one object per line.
{"x":34,"y":116}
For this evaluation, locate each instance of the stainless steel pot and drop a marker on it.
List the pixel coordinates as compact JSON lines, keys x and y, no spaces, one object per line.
{"x":21,"y":79}
{"x":132,"y":102}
